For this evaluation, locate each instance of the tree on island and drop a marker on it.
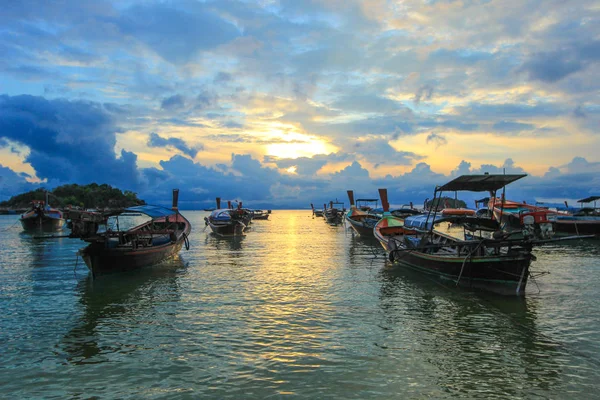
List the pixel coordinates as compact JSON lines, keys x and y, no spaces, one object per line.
{"x":84,"y":196}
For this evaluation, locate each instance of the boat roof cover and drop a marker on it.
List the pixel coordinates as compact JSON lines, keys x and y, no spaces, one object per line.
{"x":589,"y":199}
{"x":421,"y":221}
{"x":480,"y":183}
{"x":152,"y":211}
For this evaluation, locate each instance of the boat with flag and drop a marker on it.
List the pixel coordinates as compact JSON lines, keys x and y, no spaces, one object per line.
{"x":497,"y":262}
{"x":126,"y":244}
{"x":358,"y":216}
{"x":42,"y":218}
{"x":389,"y":228}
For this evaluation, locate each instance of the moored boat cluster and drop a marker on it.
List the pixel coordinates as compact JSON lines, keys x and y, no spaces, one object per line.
{"x":490,"y":248}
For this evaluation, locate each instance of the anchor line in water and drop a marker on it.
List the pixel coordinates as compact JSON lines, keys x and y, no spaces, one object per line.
{"x":470,"y":255}
{"x":10,"y":227}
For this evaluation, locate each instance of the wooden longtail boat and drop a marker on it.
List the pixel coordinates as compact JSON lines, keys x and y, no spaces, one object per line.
{"x":521,"y":218}
{"x":316,"y":212}
{"x":500,"y":265}
{"x":260,"y":214}
{"x":585,"y":221}
{"x":360,"y":220}
{"x":335,"y":213}
{"x":389,"y":228}
{"x":143,"y":245}
{"x":228,"y":221}
{"x":42,"y":218}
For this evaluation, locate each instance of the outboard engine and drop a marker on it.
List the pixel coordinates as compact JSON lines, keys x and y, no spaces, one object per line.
{"x":546,"y":228}
{"x":528,"y":226}
{"x":546,"y":231}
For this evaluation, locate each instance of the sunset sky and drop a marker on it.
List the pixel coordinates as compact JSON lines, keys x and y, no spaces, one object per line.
{"x":281,"y":103}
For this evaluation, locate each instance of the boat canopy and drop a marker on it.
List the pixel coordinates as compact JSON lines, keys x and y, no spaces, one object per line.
{"x":221,"y":214}
{"x":479,"y":183}
{"x":422,"y":221}
{"x":367,"y":199}
{"x":152,"y":211}
{"x":589,"y":199}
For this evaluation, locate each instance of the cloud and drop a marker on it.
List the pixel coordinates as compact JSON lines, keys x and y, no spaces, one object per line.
{"x":509,"y":126}
{"x":173,"y":102}
{"x":309,"y":166}
{"x":425,"y":92}
{"x":155,"y":140}
{"x":552,"y":66}
{"x":436,"y":139}
{"x":12,"y":183}
{"x":176,"y":34}
{"x":71,"y":141}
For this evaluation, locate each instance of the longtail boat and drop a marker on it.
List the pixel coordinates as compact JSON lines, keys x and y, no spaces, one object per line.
{"x":335,"y":213}
{"x":498,"y":263}
{"x":316,"y":212}
{"x":389,"y":228}
{"x":522,"y":218}
{"x":157,"y":239}
{"x":360,"y":220}
{"x":260,"y":214}
{"x":584,"y":221}
{"x":228,"y":221}
{"x":42,"y":218}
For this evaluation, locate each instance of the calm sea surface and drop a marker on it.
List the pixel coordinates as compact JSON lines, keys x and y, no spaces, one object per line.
{"x":295,"y":309}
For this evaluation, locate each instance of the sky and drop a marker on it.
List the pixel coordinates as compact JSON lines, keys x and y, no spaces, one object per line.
{"x":283,"y":103}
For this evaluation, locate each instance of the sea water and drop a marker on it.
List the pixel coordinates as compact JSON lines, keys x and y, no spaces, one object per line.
{"x":296,"y":308}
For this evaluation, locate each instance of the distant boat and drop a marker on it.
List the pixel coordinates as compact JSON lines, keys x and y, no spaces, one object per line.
{"x":316,"y":211}
{"x":146,"y":244}
{"x":584,"y":221}
{"x":359,"y":217}
{"x":228,"y":221}
{"x":335,"y":213}
{"x":42,"y":218}
{"x":260,"y":214}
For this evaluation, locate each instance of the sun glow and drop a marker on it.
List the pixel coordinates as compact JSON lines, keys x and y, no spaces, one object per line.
{"x":295,"y":145}
{"x":295,"y":150}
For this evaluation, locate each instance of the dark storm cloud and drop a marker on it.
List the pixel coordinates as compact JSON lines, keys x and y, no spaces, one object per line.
{"x":70,"y":141}
{"x":155,"y":140}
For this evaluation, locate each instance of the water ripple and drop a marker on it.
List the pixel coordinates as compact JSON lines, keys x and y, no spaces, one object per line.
{"x":294,"y":308}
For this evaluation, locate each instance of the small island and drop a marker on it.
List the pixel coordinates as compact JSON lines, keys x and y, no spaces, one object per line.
{"x":92,"y":196}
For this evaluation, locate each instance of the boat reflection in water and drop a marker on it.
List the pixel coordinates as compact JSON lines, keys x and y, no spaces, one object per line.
{"x":121,"y":300}
{"x":462,"y":337}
